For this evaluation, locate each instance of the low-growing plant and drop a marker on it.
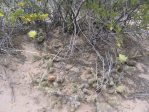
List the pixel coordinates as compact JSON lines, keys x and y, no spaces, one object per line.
{"x":103,"y":23}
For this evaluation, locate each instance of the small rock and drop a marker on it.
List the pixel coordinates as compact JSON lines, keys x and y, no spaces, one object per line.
{"x":51,"y":78}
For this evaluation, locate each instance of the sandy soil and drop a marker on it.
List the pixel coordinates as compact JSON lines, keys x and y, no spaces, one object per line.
{"x":18,"y":94}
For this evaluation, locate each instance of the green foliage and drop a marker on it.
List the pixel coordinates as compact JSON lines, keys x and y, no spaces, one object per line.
{"x":111,"y":12}
{"x":18,"y":13}
{"x":143,"y":15}
{"x":12,"y":16}
{"x":1,"y":14}
{"x":26,"y":18}
{"x":133,"y":2}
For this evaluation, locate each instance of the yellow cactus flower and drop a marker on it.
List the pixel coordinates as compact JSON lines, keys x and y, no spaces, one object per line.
{"x":118,"y":44}
{"x":122,"y":58}
{"x":32,"y":34}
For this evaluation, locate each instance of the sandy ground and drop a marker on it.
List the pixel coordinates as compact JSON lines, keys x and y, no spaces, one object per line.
{"x":17,"y":94}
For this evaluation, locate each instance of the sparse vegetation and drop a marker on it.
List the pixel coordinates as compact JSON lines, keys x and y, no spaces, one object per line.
{"x":86,"y":47}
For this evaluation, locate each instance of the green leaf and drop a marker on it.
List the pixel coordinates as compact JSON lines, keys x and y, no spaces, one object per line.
{"x":18,"y":12}
{"x":133,"y":2}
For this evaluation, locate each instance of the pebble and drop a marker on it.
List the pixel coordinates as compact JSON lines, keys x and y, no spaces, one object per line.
{"x":51,"y":78}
